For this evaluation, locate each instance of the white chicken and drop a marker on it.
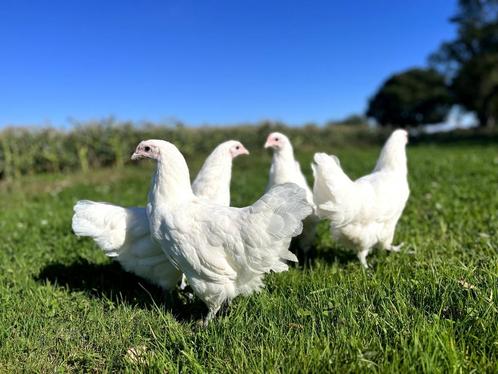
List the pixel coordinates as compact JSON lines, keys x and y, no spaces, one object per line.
{"x":124,"y":233}
{"x":213,"y":180}
{"x":223,"y":251}
{"x":285,"y":169}
{"x":364,"y":213}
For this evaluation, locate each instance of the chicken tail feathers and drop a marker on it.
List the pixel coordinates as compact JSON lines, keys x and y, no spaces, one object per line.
{"x":279,"y":213}
{"x":104,"y":223}
{"x":124,"y":234}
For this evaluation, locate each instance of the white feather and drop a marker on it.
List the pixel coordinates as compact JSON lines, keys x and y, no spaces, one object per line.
{"x":213,"y":180}
{"x":364,"y":213}
{"x":124,"y":233}
{"x":223,"y":251}
{"x":285,"y":169}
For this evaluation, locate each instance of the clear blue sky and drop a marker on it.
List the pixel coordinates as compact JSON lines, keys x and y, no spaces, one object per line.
{"x":207,"y":61}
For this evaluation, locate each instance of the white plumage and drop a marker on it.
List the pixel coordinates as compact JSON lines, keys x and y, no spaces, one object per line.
{"x":364,"y":213}
{"x":213,"y":180}
{"x":223,"y":251}
{"x":285,"y":169}
{"x":124,"y":233}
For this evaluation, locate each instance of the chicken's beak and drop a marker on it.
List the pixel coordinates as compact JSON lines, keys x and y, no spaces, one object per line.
{"x":136,"y":156}
{"x":244,"y":151}
{"x":268,"y":144}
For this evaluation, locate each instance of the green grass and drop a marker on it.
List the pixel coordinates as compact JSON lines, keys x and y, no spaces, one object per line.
{"x":431,"y":308}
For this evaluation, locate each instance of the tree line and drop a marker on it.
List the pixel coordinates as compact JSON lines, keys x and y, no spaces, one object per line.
{"x":462,"y":72}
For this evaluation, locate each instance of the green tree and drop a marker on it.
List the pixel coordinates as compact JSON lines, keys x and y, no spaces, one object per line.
{"x":470,"y":62}
{"x":353,"y":119}
{"x":412,"y":98}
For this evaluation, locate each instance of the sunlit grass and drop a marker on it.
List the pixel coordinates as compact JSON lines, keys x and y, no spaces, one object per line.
{"x":432,"y":307}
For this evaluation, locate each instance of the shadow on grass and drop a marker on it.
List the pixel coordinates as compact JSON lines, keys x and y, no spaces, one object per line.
{"x":324,"y":249}
{"x":342,"y":257}
{"x":111,"y":282}
{"x":335,"y":255}
{"x":330,"y":256}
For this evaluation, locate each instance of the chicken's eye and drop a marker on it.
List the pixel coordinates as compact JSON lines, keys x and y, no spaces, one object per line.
{"x":147,"y":149}
{"x":276,"y":139}
{"x":237,"y":147}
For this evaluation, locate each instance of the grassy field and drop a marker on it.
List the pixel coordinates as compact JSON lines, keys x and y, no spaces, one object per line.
{"x":431,"y":308}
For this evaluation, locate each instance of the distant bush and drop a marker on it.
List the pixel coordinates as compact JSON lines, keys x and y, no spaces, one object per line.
{"x":110,"y":143}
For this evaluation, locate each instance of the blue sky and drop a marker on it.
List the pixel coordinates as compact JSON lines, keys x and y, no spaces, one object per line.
{"x":216,"y":62}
